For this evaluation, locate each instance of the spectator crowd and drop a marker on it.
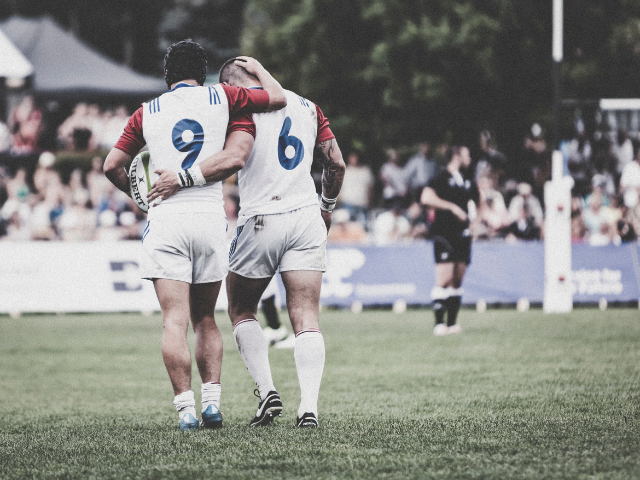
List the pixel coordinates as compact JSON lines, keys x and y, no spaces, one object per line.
{"x":379,"y":206}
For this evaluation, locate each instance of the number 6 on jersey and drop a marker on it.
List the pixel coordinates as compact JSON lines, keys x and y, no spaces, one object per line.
{"x":290,"y":148}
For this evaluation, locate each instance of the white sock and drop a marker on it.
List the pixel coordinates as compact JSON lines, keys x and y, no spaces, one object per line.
{"x":254,"y":350}
{"x":185,"y":403}
{"x":210,"y":394}
{"x":309,"y":356}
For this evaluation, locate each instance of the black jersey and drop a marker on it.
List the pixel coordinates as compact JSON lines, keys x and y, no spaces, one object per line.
{"x":456,"y":191}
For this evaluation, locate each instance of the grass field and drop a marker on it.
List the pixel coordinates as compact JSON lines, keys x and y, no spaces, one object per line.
{"x":517,"y":395}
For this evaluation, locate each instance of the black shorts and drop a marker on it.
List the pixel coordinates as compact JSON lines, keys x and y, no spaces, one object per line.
{"x":452,"y":249}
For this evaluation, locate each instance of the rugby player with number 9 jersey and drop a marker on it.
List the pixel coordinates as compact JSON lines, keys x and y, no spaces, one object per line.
{"x":184,"y":251}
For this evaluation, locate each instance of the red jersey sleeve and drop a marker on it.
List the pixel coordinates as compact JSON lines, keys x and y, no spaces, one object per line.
{"x":246,"y":99}
{"x":132,"y":140}
{"x":324,"y":132}
{"x":242,"y":123}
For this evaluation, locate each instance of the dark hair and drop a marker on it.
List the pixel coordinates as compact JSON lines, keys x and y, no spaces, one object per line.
{"x":451,"y":152}
{"x":185,"y":60}
{"x":229,"y":72}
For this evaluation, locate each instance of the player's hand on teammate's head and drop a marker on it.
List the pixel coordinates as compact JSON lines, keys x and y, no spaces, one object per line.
{"x":250,"y":64}
{"x":164,"y":187}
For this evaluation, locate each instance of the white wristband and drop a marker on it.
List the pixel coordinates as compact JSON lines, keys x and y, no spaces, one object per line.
{"x":191,"y":177}
{"x":327,"y":204}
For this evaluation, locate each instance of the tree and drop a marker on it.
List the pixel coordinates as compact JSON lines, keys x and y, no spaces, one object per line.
{"x":392,"y":72}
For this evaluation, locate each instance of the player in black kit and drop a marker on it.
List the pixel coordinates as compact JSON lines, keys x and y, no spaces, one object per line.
{"x":449,"y":194}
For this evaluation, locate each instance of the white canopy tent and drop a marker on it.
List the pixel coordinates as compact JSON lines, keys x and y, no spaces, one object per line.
{"x":13,"y":64}
{"x":15,"y":68}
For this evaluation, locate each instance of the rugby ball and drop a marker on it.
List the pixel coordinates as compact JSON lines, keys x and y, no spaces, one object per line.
{"x":140,"y":181}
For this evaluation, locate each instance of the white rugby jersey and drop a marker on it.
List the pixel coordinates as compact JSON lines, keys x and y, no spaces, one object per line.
{"x":277,"y":175}
{"x":182,"y":128}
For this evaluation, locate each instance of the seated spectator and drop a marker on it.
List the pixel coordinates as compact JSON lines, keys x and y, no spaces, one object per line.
{"x":630,"y":217}
{"x":112,"y":127}
{"x":603,"y":185}
{"x":100,"y":188}
{"x":15,"y":218}
{"x":525,"y":196}
{"x":17,"y":188}
{"x":578,"y":228}
{"x":77,"y":221}
{"x":343,"y":229}
{"x":524,"y":228}
{"x":394,"y":181}
{"x":630,"y":182}
{"x":625,"y":231}
{"x":357,"y":189}
{"x":45,"y":212}
{"x":418,"y":216}
{"x":75,"y":132}
{"x":579,"y":162}
{"x":491,"y":163}
{"x":622,"y":150}
{"x":391,"y":226}
{"x":596,"y":221}
{"x":420,"y":168}
{"x":45,"y":175}
{"x":75,"y":191}
{"x":531,"y":164}
{"x":25,"y":124}
{"x":492,"y":214}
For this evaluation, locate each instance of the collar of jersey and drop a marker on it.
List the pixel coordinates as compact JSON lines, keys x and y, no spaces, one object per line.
{"x":255,"y":88}
{"x":180,"y":85}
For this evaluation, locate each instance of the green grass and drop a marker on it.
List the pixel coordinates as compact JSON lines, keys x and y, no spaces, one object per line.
{"x":517,"y":395}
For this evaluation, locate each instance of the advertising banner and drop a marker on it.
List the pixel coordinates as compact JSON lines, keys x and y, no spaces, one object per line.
{"x":104,"y":277}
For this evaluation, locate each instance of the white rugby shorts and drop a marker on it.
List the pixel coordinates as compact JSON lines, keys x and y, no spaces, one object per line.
{"x":189,"y":247}
{"x":295,"y":240}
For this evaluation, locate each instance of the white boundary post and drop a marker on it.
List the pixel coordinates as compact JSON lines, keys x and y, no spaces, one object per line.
{"x":558,"y":282}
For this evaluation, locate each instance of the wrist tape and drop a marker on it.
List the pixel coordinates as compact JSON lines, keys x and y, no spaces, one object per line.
{"x":191,"y":177}
{"x":327,"y":204}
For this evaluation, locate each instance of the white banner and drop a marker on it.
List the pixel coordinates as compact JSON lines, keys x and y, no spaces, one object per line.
{"x":75,"y":277}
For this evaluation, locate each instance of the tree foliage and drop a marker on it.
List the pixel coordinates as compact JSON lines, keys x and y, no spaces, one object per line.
{"x":394,"y":72}
{"x":387,"y":72}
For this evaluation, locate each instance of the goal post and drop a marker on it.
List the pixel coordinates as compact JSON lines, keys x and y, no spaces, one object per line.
{"x":558,"y":282}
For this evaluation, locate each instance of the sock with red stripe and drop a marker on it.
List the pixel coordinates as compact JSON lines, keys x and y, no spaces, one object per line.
{"x":254,"y":350}
{"x":309,"y":357}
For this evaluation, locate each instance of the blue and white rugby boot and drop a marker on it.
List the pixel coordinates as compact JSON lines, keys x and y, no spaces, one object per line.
{"x":211,"y":417}
{"x":188,"y":421}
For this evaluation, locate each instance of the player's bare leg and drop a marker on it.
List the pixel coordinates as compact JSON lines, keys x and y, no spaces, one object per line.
{"x":244,"y":294}
{"x":445,"y":273}
{"x":208,"y":349}
{"x":173,"y":296}
{"x":303,"y":303}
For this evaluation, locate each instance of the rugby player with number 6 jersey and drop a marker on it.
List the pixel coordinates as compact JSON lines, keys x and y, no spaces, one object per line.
{"x":281,"y":225}
{"x":184,"y":251}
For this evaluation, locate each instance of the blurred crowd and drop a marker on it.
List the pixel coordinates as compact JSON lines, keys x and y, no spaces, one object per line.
{"x":88,"y":128}
{"x":376,"y":206}
{"x":605,"y":205}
